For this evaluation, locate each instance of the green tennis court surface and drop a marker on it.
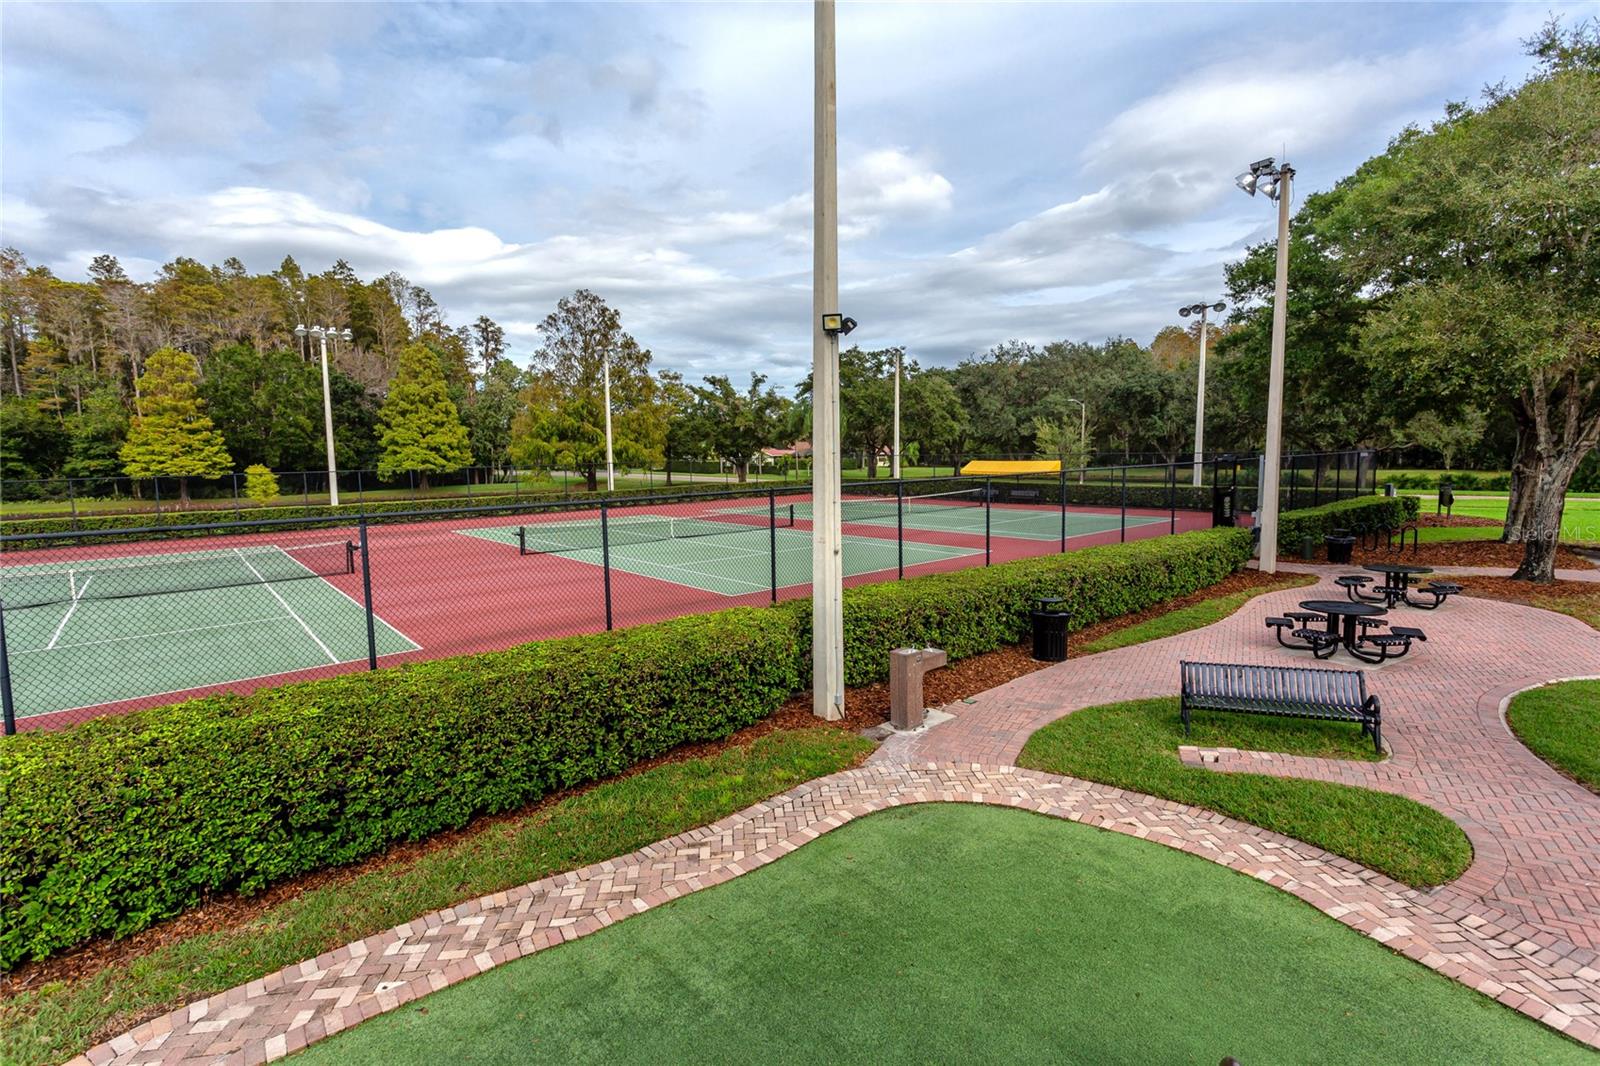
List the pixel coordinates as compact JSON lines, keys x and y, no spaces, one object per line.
{"x":97,"y":631}
{"x":697,"y":552}
{"x":963,"y":513}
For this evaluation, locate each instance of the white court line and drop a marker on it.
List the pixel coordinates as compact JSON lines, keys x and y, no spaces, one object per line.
{"x":77,"y":597}
{"x":332,"y":658}
{"x":146,"y":636}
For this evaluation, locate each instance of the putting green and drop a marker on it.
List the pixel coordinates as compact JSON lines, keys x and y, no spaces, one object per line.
{"x":732,"y":563}
{"x":954,"y":933}
{"x":264,"y":614}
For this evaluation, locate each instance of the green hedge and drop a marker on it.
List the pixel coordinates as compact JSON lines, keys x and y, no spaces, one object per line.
{"x":1360,"y":515}
{"x":112,"y":825}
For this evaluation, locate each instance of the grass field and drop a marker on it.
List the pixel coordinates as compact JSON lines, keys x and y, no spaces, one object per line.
{"x":1561,"y":724}
{"x":54,"y":1021}
{"x":1135,"y":746}
{"x":1580,"y":520}
{"x":1194,"y":616}
{"x":955,"y":933}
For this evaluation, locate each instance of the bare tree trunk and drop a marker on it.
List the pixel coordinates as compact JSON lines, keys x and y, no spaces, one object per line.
{"x":591,"y":479}
{"x":1523,"y":475}
{"x":183,"y":492}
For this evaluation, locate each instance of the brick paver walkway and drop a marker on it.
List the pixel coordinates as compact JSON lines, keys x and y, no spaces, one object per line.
{"x":1521,"y":926}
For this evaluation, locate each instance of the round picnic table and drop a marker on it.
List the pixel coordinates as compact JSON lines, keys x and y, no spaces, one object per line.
{"x":1396,"y":579}
{"x":1345,"y":613}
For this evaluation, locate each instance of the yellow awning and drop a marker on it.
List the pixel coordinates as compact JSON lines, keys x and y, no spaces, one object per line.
{"x":994,"y":467}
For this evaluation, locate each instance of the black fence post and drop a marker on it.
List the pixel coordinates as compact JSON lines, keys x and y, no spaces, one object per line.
{"x":900,"y":528}
{"x":157,"y":483}
{"x":988,"y":510}
{"x":1124,"y":536}
{"x":366,"y":598}
{"x":1172,"y":496}
{"x":237,"y":516}
{"x":72,"y":500}
{"x":772,"y":538}
{"x":1063,"y":506}
{"x":605,"y":558}
{"x":9,"y":709}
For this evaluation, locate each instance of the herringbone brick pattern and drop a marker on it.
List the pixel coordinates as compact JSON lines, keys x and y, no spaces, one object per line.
{"x":1521,"y":926}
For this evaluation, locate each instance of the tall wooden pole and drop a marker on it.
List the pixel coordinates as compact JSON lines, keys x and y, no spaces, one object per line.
{"x":1200,"y":403}
{"x":827,"y":570}
{"x":1267,"y":505}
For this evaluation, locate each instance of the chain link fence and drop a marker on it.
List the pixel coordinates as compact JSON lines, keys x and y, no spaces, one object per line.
{"x":100,"y":621}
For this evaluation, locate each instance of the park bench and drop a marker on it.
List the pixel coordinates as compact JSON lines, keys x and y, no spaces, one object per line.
{"x":1281,"y":691}
{"x":1021,"y":495}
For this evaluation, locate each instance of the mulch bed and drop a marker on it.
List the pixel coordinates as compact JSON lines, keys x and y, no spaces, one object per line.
{"x":1570,"y":593}
{"x":866,"y":706}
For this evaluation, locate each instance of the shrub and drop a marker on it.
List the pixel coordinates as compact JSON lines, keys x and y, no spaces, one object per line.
{"x":1360,"y":515}
{"x":112,"y":825}
{"x":260,"y":484}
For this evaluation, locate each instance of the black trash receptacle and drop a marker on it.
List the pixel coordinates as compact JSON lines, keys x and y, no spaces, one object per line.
{"x":1050,"y":630}
{"x":1339,"y":548}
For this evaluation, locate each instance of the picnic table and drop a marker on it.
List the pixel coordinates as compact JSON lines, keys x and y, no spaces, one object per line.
{"x":1351,"y":625}
{"x":1396,"y":587}
{"x":1341,"y":617}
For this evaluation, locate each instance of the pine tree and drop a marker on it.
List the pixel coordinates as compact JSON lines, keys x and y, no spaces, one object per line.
{"x":173,"y":437}
{"x":422,"y":429}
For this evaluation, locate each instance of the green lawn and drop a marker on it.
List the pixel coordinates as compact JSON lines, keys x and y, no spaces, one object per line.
{"x":1580,"y":520}
{"x":948,"y":933}
{"x":56,"y":1021}
{"x":1561,"y":724}
{"x":1134,"y":746}
{"x":1193,"y":616}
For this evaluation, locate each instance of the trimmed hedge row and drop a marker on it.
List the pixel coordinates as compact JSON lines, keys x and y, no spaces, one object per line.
{"x":113,"y":825}
{"x":1360,"y":515}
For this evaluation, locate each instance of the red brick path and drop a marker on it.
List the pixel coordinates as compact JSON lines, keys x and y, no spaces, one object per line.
{"x":1522,"y":925}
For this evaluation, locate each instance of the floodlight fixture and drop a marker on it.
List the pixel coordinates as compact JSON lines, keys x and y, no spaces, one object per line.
{"x":836,"y":325}
{"x":1247,"y":182}
{"x":347,"y":335}
{"x":300,"y":330}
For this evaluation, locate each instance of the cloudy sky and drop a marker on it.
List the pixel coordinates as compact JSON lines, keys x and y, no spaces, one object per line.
{"x":1018,"y":171}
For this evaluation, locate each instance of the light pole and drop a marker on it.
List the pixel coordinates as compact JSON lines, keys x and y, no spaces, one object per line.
{"x":1200,"y":388}
{"x":1083,"y":435}
{"x":322,"y":333}
{"x":611,"y":478}
{"x":827,"y":570}
{"x":1276,"y":182}
{"x":894,"y":458}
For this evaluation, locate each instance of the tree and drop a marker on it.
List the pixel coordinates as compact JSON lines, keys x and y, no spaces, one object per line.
{"x":422,"y":429}
{"x":268,"y":406}
{"x":1447,"y":436}
{"x":931,"y":419}
{"x":687,"y":436}
{"x":489,"y":342}
{"x":173,"y":437}
{"x":490,"y":415}
{"x":739,"y":424}
{"x":97,"y":436}
{"x":1477,"y":239}
{"x":260,"y":484}
{"x":564,"y":405}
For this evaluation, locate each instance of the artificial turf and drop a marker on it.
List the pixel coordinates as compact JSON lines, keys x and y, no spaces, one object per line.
{"x":949,"y":933}
{"x":1134,"y":745}
{"x":1561,"y":724}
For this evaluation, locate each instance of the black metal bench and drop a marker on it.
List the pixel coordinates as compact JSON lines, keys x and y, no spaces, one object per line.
{"x":1281,"y":691}
{"x":1020,"y":495}
{"x":1439,"y":590}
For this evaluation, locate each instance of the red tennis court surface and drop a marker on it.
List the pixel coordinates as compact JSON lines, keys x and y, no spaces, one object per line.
{"x":450,"y":593}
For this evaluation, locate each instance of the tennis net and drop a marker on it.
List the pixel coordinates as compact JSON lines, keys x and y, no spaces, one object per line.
{"x":926,"y":503}
{"x":113,"y":579}
{"x":549,"y":538}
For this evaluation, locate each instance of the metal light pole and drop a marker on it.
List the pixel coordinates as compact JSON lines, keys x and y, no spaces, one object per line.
{"x":1083,"y":435}
{"x":895,"y":457}
{"x":611,"y":478}
{"x":1276,"y":182}
{"x":322,"y":333}
{"x":1200,"y":388}
{"x":827,"y":572}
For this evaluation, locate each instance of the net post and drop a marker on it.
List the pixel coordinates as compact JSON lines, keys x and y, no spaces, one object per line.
{"x":772,"y":539}
{"x":9,"y":709}
{"x":605,"y":558}
{"x":1124,"y":534}
{"x":1063,"y":507}
{"x":900,"y":528}
{"x":522,"y":540}
{"x":988,"y":511}
{"x":366,"y":598}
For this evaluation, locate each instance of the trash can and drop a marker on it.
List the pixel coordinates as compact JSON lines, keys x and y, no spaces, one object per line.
{"x":1388,"y":488}
{"x":1340,"y":545}
{"x":1050,"y":629}
{"x":1308,"y":548}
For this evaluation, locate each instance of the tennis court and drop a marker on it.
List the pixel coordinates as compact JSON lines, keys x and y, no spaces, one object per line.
{"x":96,"y":631}
{"x":963,"y":511}
{"x":731,"y":556}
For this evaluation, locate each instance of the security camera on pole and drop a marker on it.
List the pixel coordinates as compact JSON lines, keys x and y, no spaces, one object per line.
{"x":1200,"y":389}
{"x":322,"y":333}
{"x":1267,"y":177}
